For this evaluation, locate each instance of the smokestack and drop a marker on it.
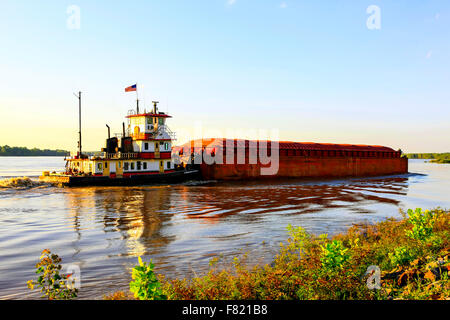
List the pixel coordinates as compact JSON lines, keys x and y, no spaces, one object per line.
{"x":109,"y":136}
{"x":155,"y":103}
{"x":123,"y":129}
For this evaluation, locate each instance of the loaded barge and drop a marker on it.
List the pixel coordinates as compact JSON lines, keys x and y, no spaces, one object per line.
{"x":240,"y":159}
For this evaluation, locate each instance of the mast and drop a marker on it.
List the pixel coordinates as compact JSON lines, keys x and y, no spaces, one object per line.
{"x":79,"y":122}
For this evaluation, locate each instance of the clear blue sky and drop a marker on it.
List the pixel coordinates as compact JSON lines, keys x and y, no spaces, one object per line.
{"x":311,"y":69}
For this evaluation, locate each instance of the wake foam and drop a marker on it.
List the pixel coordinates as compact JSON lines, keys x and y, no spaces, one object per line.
{"x":19,"y":183}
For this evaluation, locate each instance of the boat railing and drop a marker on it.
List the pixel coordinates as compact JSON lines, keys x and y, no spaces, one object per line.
{"x":120,"y":155}
{"x":165,"y":128}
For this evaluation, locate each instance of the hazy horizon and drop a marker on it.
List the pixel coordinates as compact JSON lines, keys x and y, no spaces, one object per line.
{"x":323,"y":72}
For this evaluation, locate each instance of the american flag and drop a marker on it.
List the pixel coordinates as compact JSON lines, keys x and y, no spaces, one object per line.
{"x":130,"y":88}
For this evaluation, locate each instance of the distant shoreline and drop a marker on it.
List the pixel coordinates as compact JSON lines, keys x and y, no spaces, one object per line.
{"x":432,"y":157}
{"x":7,"y":151}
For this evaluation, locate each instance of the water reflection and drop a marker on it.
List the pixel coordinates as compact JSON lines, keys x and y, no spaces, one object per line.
{"x":134,"y":215}
{"x":290,"y":197}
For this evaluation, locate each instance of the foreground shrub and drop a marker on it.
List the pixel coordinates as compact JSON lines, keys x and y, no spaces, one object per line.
{"x":401,"y":256}
{"x":52,"y":283}
{"x":334,"y":256}
{"x":145,"y":284}
{"x":422,"y":224}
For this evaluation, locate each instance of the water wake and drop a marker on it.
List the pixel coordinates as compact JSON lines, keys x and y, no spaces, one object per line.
{"x":20,"y":183}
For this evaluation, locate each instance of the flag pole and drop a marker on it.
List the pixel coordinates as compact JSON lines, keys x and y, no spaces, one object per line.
{"x":137,"y":99}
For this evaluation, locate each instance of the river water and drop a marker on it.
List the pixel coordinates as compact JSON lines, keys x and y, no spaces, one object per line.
{"x":181,"y":227}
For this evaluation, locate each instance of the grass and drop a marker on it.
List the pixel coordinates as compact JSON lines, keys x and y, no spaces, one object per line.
{"x":410,"y":257}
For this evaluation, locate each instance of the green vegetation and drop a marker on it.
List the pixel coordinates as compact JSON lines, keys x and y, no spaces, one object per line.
{"x":53,"y":285}
{"x":145,"y":285}
{"x":440,"y":160}
{"x":410,"y":257}
{"x":435,"y":157}
{"x":22,"y":151}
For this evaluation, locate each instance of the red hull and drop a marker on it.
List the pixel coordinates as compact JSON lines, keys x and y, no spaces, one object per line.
{"x":291,"y":167}
{"x":299,"y":160}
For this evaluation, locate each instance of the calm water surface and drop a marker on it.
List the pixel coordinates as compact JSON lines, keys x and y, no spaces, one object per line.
{"x":181,"y":227}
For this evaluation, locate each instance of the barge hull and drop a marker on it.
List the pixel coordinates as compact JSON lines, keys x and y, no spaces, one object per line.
{"x":308,"y":167}
{"x":293,"y":160}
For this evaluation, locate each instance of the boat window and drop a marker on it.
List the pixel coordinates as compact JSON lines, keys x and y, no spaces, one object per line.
{"x":138,"y":165}
{"x":166,"y":146}
{"x":99,"y":166}
{"x":146,"y":146}
{"x":125,"y":166}
{"x":120,"y":164}
{"x":144,"y":165}
{"x":168,"y":165}
{"x":161,"y":121}
{"x":132,"y":166}
{"x":106,"y":165}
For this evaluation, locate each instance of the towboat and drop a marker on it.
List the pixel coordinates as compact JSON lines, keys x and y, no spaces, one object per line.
{"x":141,"y":154}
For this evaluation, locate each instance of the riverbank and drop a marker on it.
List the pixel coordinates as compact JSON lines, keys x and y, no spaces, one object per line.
{"x":433,"y":157}
{"x":394,"y":259}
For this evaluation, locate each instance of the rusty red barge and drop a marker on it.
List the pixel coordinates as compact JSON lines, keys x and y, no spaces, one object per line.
{"x":295,"y":159}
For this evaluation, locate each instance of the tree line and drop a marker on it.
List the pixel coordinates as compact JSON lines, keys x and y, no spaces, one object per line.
{"x":445,"y":155}
{"x":23,"y":151}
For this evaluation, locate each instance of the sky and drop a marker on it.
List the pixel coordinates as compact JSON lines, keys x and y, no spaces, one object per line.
{"x":338,"y":71}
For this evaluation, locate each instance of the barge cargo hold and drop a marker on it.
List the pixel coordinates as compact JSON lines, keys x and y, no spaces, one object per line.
{"x":296,"y":159}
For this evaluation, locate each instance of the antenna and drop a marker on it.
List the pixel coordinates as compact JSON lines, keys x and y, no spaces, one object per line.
{"x":79,"y":120}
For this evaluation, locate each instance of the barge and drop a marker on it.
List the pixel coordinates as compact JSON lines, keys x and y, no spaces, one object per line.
{"x":240,"y":159}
